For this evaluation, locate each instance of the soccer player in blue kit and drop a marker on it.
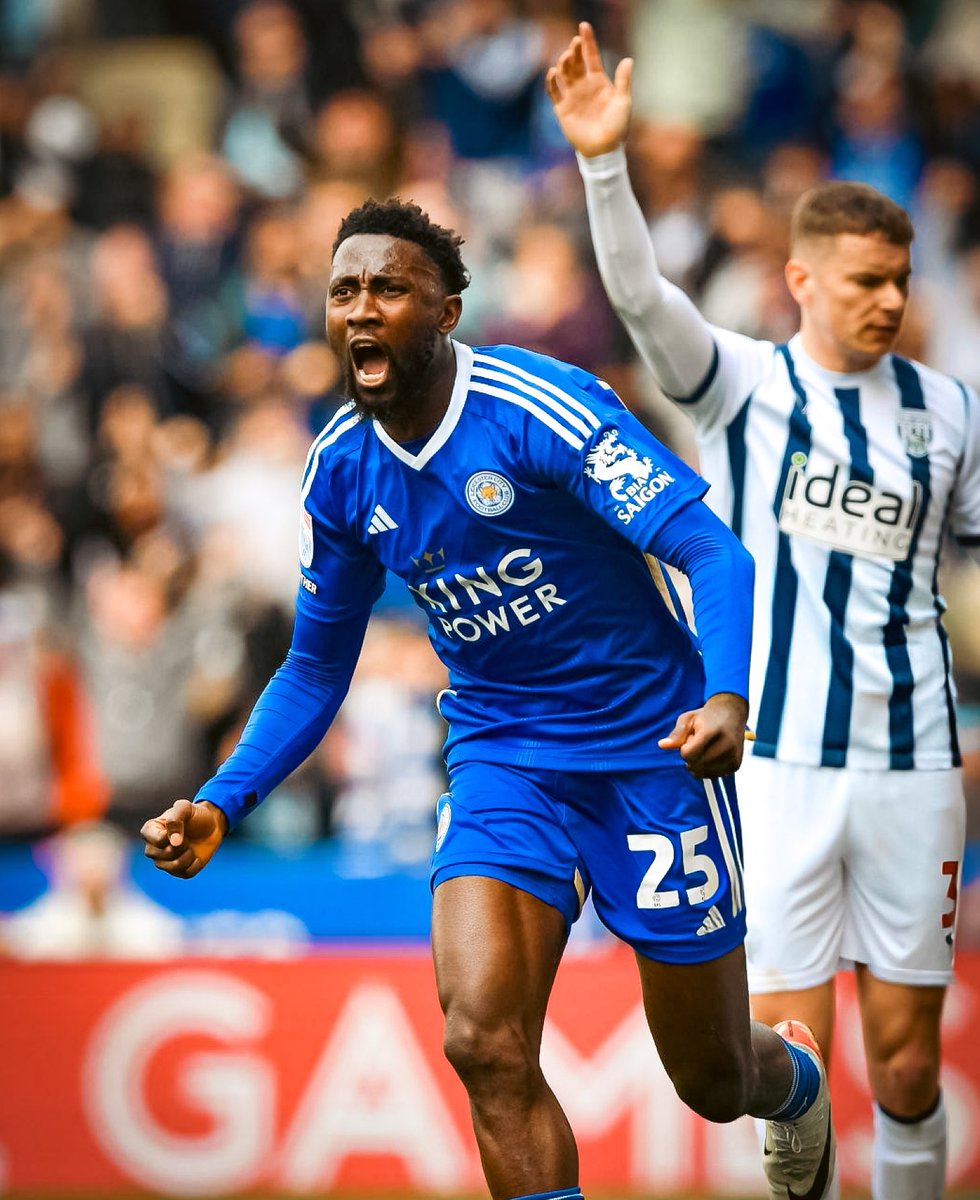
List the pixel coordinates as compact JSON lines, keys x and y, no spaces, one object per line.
{"x":592,"y":736}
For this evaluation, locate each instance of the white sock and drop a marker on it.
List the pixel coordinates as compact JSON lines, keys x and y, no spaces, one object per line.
{"x":909,"y":1160}
{"x":833,"y":1186}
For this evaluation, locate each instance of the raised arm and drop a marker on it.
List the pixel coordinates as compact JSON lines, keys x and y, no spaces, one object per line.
{"x":593,"y":110}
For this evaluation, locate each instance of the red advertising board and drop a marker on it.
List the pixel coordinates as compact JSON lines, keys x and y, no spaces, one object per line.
{"x":213,"y":1077}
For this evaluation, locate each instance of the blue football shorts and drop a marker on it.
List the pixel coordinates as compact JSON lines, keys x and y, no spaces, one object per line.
{"x":659,"y":850}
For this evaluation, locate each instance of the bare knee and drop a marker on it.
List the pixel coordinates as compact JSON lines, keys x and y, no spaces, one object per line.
{"x":906,"y":1082}
{"x":717,"y":1092}
{"x":490,"y":1055}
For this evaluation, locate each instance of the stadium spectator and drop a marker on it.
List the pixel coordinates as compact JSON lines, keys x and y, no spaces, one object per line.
{"x":550,"y":302}
{"x":51,"y":777}
{"x":355,"y":139}
{"x":138,"y":660}
{"x":90,"y":911}
{"x":268,"y":120}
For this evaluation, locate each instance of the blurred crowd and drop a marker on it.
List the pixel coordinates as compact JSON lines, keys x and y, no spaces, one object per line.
{"x":172,"y":175}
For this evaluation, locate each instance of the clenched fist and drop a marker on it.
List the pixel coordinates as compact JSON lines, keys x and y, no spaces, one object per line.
{"x":182,"y":840}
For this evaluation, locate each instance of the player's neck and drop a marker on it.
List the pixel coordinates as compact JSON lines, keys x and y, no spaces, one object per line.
{"x":422,"y":416}
{"x":832,"y":356}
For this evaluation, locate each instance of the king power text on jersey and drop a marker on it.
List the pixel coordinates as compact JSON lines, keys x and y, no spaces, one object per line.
{"x":516,"y":569}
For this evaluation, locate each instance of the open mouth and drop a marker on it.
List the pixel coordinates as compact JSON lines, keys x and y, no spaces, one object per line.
{"x":370,"y":363}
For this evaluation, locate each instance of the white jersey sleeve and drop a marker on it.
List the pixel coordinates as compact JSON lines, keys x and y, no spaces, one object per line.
{"x":964,"y":514}
{"x":706,"y":370}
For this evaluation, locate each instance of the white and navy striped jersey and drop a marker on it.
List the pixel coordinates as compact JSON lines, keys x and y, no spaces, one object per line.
{"x":522,"y":527}
{"x":842,"y":487}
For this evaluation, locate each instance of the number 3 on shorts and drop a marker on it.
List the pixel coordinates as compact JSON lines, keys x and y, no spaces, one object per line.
{"x":660,"y":845}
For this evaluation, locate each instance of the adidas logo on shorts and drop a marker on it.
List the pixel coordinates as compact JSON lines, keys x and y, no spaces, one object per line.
{"x":713,"y":921}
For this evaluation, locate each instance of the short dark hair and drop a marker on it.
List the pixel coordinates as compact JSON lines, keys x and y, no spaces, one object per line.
{"x":843,"y":207}
{"x":402,"y":219}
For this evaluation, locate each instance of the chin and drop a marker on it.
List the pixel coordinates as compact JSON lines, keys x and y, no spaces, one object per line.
{"x":870,"y":349}
{"x":373,"y":405}
{"x":882,"y":342}
{"x":370,"y":401}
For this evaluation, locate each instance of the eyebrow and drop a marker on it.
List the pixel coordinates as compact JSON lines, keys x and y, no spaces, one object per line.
{"x":353,"y":276}
{"x":875,"y":273}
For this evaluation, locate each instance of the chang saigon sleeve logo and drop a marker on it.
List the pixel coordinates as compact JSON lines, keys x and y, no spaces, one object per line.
{"x":632,"y":480}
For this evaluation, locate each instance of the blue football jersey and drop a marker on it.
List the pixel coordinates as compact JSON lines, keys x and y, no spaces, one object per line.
{"x":526,"y":530}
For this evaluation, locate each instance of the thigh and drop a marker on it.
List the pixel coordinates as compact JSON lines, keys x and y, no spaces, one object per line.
{"x":662,"y":852}
{"x":698,"y":1012}
{"x":500,"y":822}
{"x":894,"y":1015}
{"x":906,"y":833}
{"x":794,"y":827}
{"x":496,"y":949}
{"x":902,"y":1041}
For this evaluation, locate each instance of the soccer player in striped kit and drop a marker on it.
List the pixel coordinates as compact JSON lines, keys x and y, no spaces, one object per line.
{"x":592,"y":736}
{"x":841,"y":467}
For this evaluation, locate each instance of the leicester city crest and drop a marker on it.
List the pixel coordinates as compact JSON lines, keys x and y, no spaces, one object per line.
{"x":489,"y":493}
{"x":915,"y":430}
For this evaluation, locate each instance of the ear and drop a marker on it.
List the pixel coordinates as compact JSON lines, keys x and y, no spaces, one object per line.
{"x":799,"y":280}
{"x":452,"y":308}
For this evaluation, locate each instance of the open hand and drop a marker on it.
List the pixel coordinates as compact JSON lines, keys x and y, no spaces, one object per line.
{"x":711,"y":739}
{"x":592,"y":109}
{"x":182,"y":840}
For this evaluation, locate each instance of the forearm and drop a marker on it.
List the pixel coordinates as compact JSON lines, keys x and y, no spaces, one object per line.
{"x":290,"y":717}
{"x":721,"y":574}
{"x":670,"y":334}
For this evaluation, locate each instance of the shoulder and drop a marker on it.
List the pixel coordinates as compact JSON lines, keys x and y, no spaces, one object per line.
{"x":938,"y":391}
{"x":541,"y":395}
{"x":337,"y":441}
{"x":933,"y":383}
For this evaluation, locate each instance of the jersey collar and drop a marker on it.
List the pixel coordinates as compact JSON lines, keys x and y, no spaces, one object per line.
{"x":440,"y":435}
{"x":837,"y":378}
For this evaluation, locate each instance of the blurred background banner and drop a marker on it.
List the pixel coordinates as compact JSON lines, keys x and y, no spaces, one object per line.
{"x":215,"y":1077}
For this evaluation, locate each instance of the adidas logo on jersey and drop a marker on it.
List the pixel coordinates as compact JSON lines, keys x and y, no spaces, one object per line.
{"x":381,"y":522}
{"x":847,"y":514}
{"x":712,"y":922}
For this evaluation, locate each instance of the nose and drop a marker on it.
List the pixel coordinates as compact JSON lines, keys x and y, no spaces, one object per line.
{"x":364,"y":309}
{"x":893,"y":298}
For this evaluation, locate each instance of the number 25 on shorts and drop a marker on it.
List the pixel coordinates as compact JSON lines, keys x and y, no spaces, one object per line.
{"x":649,"y":894}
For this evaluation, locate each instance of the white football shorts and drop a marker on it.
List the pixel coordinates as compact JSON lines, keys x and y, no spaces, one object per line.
{"x":845,"y":866}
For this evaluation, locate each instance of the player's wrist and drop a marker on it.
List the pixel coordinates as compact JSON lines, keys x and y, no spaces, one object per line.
{"x":731,"y":703}
{"x":598,"y":160}
{"x":220,"y":817}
